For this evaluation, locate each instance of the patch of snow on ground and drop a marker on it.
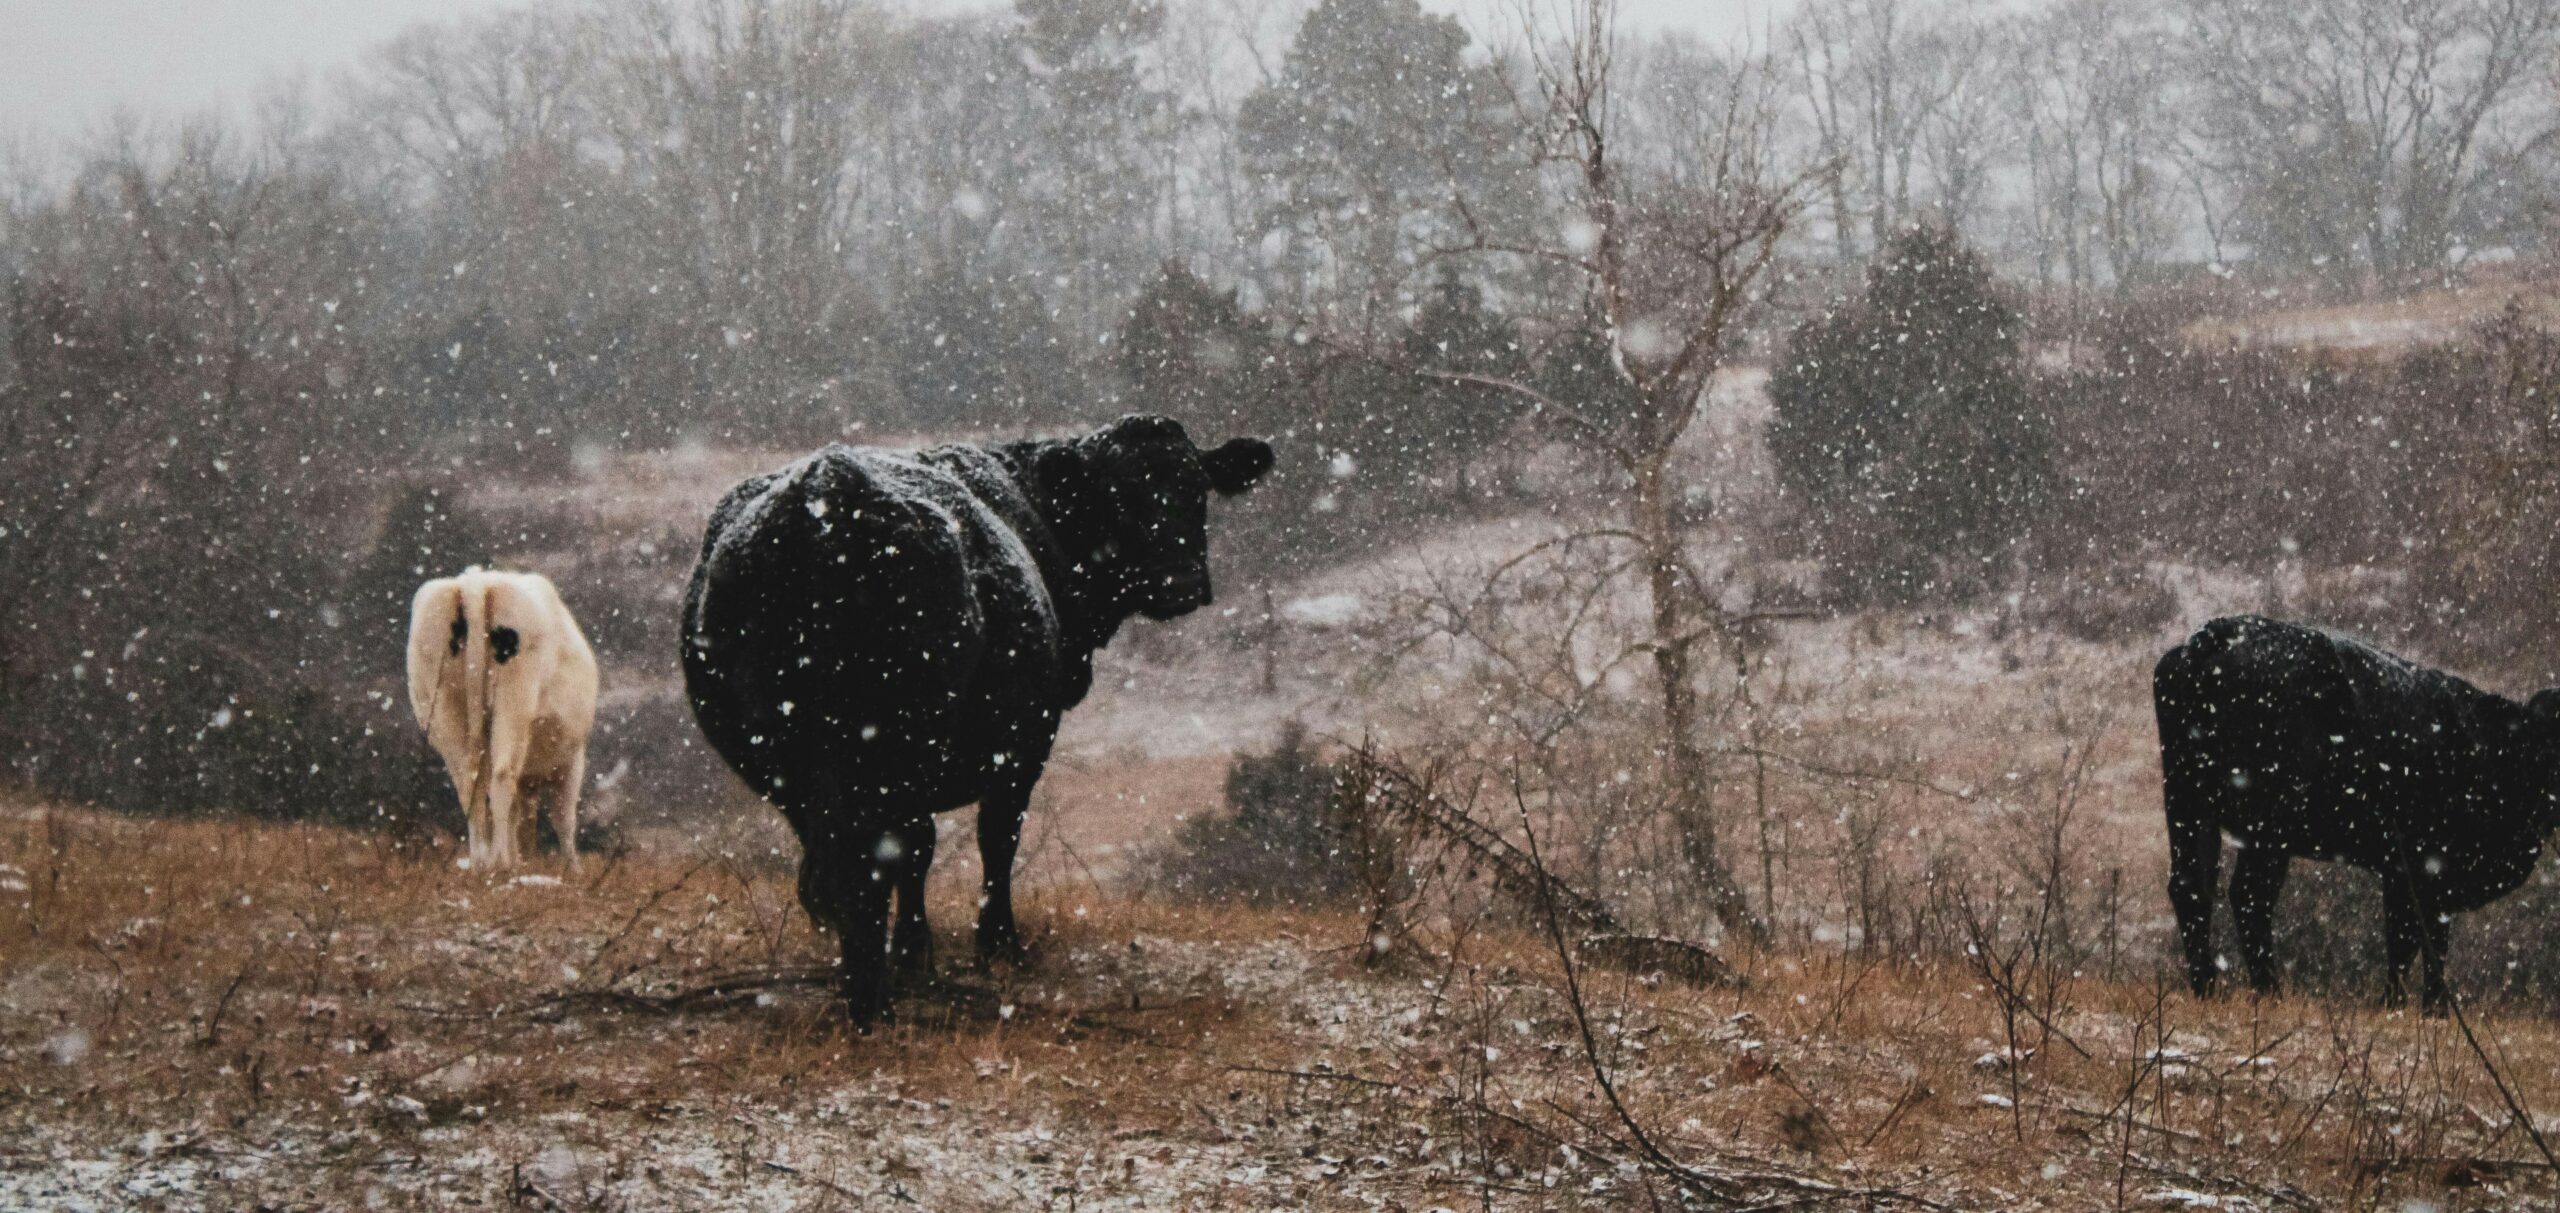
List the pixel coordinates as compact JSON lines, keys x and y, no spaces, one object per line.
{"x":1324,"y":610}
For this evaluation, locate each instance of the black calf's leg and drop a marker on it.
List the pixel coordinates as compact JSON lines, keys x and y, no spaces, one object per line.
{"x":2435,"y":935}
{"x":2257,"y":882}
{"x":2400,"y":936}
{"x":911,"y":940}
{"x":2195,"y":859}
{"x":999,"y":836}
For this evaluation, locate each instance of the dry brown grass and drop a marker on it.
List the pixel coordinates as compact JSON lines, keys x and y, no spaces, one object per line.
{"x":214,"y":1014}
{"x":2383,"y":327}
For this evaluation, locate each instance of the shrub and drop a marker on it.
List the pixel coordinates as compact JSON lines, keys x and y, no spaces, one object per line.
{"x":1279,"y":840}
{"x":1901,"y":421}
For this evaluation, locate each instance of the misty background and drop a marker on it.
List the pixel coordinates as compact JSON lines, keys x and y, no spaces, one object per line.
{"x":1840,"y":307}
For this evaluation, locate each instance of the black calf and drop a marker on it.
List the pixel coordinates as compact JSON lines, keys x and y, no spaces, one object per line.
{"x":2296,"y":741}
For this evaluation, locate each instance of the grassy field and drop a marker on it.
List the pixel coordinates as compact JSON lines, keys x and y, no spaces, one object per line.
{"x":221,"y":1015}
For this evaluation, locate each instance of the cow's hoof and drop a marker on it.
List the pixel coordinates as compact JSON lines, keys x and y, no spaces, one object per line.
{"x":916,"y":963}
{"x":1009,"y":950}
{"x":864,"y":1010}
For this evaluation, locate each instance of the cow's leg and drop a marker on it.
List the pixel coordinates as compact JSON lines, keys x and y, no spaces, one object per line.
{"x":911,"y":939}
{"x":476,"y":834}
{"x":2195,"y":860}
{"x":817,"y":896}
{"x":507,"y":743}
{"x":564,"y":806}
{"x":863,"y":910}
{"x":999,"y":836}
{"x":846,"y":887}
{"x":2400,"y":935}
{"x":2257,"y":882}
{"x":2435,"y":935}
{"x":528,"y":818}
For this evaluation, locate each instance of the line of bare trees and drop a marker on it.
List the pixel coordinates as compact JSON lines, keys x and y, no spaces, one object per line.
{"x":818,"y":199}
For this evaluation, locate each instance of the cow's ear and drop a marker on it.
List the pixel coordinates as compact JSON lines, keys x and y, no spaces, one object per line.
{"x":1236,"y":464}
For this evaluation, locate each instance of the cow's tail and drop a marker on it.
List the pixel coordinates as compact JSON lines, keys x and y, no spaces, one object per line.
{"x":475,"y":653}
{"x":2177,"y":686}
{"x":467,"y":642}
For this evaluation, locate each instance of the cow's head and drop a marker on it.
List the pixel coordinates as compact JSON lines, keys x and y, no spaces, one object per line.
{"x":1132,"y":500}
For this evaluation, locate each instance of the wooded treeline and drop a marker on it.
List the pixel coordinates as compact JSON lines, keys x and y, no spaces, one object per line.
{"x":637,"y":220}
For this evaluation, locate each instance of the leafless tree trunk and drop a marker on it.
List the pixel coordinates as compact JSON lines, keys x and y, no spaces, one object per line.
{"x":737,"y":120}
{"x":1675,"y":233}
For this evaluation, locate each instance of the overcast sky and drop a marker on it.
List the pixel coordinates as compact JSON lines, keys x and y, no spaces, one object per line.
{"x":65,"y":65}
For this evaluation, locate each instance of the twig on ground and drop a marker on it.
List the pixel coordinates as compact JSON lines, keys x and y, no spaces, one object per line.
{"x":2522,"y":1115}
{"x":1720,"y":1183}
{"x":1319,"y":1076}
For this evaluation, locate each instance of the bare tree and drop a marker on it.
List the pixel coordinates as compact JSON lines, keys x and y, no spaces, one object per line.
{"x":186,"y":337}
{"x":1961,"y":141}
{"x":1672,"y":221}
{"x":2351,"y":132}
{"x":453,"y":103}
{"x":2093,"y":89}
{"x":1881,"y":78}
{"x":735,"y":121}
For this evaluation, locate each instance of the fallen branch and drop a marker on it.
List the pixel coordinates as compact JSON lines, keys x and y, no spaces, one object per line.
{"x":720,"y":992}
{"x":1319,"y":1076}
{"x":2112,"y":1118}
{"x":1370,"y":781}
{"x":2284,"y":1194}
{"x":1677,"y":959}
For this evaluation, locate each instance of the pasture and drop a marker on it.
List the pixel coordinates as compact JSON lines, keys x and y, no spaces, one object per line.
{"x":230,"y":1015}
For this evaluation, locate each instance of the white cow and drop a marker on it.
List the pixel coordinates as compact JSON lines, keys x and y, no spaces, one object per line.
{"x":505,"y":685}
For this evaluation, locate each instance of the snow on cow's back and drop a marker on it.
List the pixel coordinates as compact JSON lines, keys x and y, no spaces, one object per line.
{"x":838,"y":583}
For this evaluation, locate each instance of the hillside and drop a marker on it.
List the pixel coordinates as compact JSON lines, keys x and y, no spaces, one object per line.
{"x":220,"y":1015}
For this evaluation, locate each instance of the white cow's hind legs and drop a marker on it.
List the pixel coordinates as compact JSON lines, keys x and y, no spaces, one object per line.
{"x":564,"y":806}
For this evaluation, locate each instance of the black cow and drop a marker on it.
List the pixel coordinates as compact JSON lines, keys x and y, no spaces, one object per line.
{"x":873,"y":637}
{"x":2297,"y":741}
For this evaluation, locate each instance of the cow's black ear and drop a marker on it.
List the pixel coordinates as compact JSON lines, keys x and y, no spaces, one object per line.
{"x":1236,"y":464}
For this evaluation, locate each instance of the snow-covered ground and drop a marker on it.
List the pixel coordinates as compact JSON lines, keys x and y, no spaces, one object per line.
{"x":215,"y":1015}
